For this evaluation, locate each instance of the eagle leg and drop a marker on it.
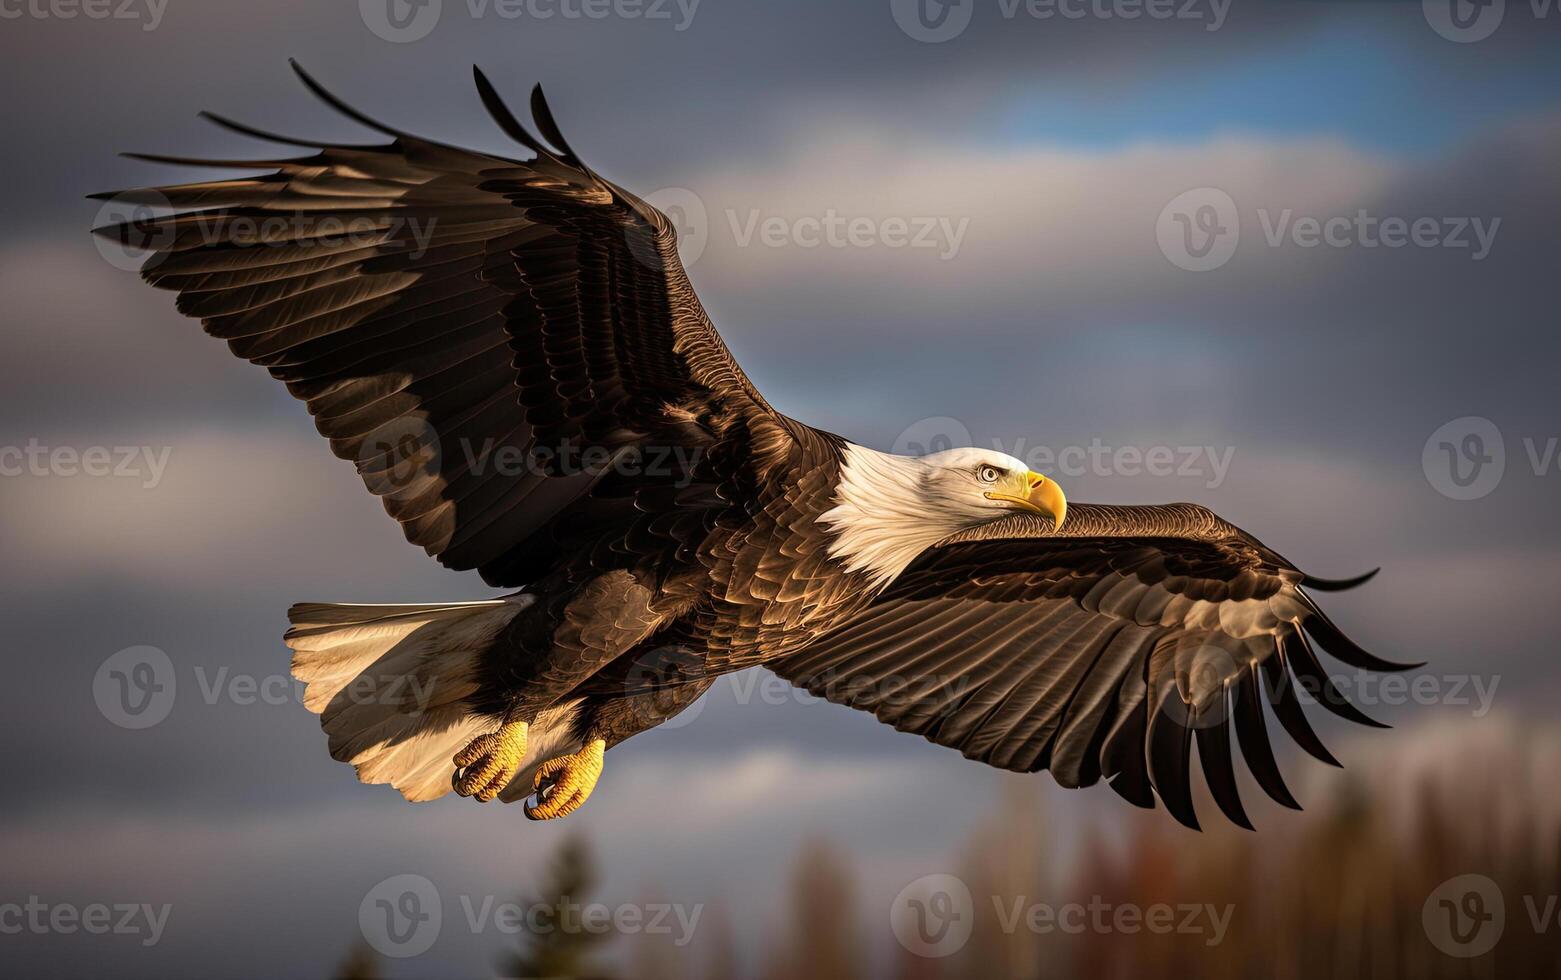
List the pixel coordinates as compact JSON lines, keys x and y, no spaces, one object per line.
{"x":565,"y":783}
{"x":488,"y":762}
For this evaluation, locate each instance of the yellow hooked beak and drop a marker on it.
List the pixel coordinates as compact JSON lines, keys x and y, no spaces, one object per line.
{"x":1040,"y":496}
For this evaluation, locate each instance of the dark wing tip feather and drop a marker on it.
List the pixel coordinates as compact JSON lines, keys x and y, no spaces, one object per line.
{"x":1279,"y":686}
{"x":260,"y":134}
{"x":221,"y":164}
{"x":1338,"y":584}
{"x":335,"y":103}
{"x":1309,"y":670}
{"x":1170,"y":751}
{"x":1333,"y":640}
{"x":505,"y":118}
{"x":1256,"y":748}
{"x":1213,"y":736}
{"x":1134,"y":788}
{"x":1123,"y":759}
{"x":549,"y":127}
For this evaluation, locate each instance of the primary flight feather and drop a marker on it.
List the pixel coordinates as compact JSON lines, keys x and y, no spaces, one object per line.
{"x":513,"y":357}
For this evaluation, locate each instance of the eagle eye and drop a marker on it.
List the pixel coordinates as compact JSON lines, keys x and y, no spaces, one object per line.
{"x":987,"y":473}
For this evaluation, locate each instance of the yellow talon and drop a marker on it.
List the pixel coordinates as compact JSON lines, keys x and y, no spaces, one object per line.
{"x":488,"y":762}
{"x":565,"y":783}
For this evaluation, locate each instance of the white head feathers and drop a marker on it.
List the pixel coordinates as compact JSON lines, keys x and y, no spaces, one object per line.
{"x":889,"y":509}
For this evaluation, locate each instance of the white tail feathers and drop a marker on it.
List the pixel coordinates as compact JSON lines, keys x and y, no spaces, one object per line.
{"x":389,"y":681}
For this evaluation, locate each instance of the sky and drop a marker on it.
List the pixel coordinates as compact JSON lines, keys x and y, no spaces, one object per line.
{"x":1081,"y":236}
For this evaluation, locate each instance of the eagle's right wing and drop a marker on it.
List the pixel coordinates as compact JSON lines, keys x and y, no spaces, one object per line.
{"x":1104,"y":649}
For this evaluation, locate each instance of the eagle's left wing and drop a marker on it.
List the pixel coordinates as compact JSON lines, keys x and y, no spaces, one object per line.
{"x":492,"y":341}
{"x":1104,"y":650}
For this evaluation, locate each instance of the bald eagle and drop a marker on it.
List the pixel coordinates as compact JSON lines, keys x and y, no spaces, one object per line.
{"x":511,"y":354}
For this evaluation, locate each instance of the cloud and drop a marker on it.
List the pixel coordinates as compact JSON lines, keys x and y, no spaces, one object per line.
{"x":229,"y":505}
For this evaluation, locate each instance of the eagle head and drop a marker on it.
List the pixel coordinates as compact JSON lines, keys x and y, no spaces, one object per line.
{"x":982,"y":485}
{"x":888,"y":509}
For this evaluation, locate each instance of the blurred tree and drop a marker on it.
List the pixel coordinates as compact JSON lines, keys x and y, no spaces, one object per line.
{"x":361,"y":964}
{"x":722,"y":960}
{"x":1005,"y":864}
{"x":825,"y":941}
{"x":563,"y":949}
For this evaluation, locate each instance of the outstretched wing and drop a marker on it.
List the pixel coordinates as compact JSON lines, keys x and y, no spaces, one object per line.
{"x":485,"y":338}
{"x":1103,"y":650}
